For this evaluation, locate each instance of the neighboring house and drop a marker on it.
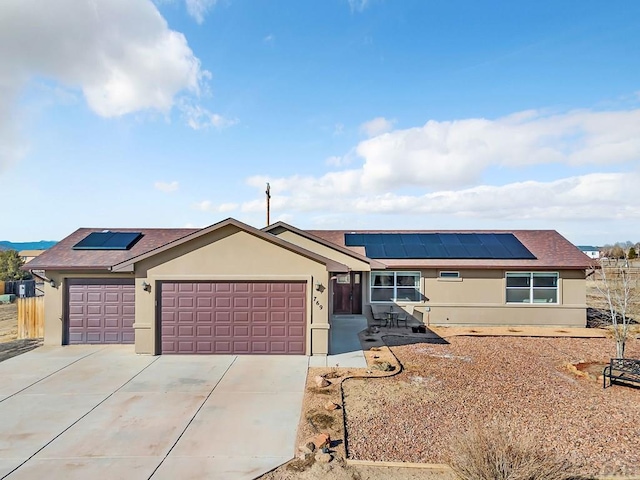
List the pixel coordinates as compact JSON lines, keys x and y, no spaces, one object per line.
{"x":28,"y":255}
{"x":231,"y":288}
{"x":590,"y":251}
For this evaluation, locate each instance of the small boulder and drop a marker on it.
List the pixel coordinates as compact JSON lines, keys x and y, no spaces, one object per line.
{"x":304,"y":456}
{"x":323,"y":457}
{"x":322,"y":440}
{"x":308,"y":447}
{"x":321,"y":381}
{"x":330,"y":406}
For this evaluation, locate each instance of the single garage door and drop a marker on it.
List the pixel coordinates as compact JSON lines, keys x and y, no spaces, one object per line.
{"x":233,"y":317}
{"x":100,"y":311}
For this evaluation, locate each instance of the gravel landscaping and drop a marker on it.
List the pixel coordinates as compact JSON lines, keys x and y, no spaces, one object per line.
{"x":528,"y":384}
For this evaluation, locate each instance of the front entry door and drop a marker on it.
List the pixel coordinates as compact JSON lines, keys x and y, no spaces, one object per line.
{"x":347,"y":293}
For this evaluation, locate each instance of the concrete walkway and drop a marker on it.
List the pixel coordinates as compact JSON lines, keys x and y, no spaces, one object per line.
{"x":103,"y":412}
{"x":345,"y":348}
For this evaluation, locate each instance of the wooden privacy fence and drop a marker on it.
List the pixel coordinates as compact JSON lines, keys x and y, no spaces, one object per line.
{"x":30,"y":317}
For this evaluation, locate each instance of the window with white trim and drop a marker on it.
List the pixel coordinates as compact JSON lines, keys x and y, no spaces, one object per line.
{"x":448,"y":274}
{"x":532,"y":287}
{"x":395,"y":286}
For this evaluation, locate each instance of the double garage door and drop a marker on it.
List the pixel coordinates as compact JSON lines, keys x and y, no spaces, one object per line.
{"x":233,"y":317}
{"x":195,"y":317}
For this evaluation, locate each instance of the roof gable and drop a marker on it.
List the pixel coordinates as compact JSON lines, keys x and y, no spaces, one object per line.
{"x":128,"y":265}
{"x":280,"y":226}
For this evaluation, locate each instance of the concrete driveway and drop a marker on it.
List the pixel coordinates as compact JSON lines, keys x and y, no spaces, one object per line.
{"x":82,"y":412}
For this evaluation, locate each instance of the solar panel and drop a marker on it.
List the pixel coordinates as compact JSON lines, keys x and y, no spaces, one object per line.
{"x":394,"y":250}
{"x":353,"y":239}
{"x":440,"y":245}
{"x":108,"y":241}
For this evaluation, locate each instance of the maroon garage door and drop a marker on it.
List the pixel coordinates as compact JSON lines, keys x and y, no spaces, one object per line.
{"x":233,"y":317}
{"x":100,"y":311}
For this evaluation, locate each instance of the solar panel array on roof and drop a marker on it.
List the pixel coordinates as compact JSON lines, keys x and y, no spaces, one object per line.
{"x":491,"y":246}
{"x":108,"y":241}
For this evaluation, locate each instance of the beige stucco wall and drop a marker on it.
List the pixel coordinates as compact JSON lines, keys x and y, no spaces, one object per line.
{"x":54,"y":300}
{"x":335,"y":255}
{"x":231,"y":254}
{"x":478,"y":297}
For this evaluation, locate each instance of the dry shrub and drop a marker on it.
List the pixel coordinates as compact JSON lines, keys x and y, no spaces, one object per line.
{"x":495,"y":452}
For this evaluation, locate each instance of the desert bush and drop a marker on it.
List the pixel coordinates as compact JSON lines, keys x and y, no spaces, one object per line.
{"x":495,"y":452}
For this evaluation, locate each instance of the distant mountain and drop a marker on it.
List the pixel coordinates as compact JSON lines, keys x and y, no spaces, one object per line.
{"x":41,"y":245}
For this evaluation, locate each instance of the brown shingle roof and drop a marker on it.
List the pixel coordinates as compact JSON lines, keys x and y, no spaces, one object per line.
{"x":62,"y":256}
{"x":550,"y":248}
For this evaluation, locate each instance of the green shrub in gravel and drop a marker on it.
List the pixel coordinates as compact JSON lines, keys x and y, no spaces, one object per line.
{"x":495,"y":452}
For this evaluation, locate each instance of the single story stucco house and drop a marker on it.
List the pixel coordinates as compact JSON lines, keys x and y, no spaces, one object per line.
{"x":232,"y":288}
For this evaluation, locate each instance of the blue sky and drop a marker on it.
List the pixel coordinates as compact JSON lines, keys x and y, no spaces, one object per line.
{"x":359,"y":113}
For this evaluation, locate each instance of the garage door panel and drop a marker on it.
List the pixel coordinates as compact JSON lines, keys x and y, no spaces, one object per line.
{"x":239,"y":317}
{"x":185,"y":302}
{"x":241,"y":302}
{"x":259,"y":302}
{"x":204,"y":302}
{"x":100,"y":312}
{"x":259,"y":331}
{"x":278,"y":317}
{"x":259,"y":347}
{"x":222,"y":331}
{"x":258,"y":288}
{"x":204,"y":331}
{"x":223,"y":302}
{"x":279,"y":331}
{"x":204,"y":317}
{"x":186,"y":331}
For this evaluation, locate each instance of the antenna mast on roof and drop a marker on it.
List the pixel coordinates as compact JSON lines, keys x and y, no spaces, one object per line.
{"x":268,"y":192}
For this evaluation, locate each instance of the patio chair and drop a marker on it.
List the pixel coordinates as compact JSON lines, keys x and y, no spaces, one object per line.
{"x":378,"y":316}
{"x":402,"y":317}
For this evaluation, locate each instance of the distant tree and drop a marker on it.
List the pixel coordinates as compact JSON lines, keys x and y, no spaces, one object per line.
{"x":617,"y":252}
{"x":618,"y":285}
{"x":10,"y":263}
{"x":632,"y":253}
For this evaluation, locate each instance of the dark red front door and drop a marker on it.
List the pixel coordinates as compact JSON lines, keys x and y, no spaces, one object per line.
{"x":347,"y":293}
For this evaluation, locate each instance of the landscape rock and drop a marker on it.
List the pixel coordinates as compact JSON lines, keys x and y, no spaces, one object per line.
{"x":331,"y":406}
{"x":321,"y":381}
{"x":323,"y":457}
{"x":322,"y":440}
{"x":309,"y":447}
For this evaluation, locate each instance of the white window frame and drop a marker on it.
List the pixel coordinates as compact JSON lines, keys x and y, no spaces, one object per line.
{"x":395,"y":286}
{"x":531,"y":288}
{"x":449,"y":275}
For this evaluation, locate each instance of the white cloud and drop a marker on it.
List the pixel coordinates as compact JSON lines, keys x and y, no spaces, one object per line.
{"x":208,"y":206}
{"x":587,"y":197}
{"x":199,"y":118}
{"x":338,"y":129}
{"x":166,"y":187}
{"x":120,"y":53}
{"x":269,"y":39}
{"x":358,"y":5}
{"x":436,"y":169}
{"x":456,"y":153}
{"x":377,"y":126}
{"x":199,"y":8}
